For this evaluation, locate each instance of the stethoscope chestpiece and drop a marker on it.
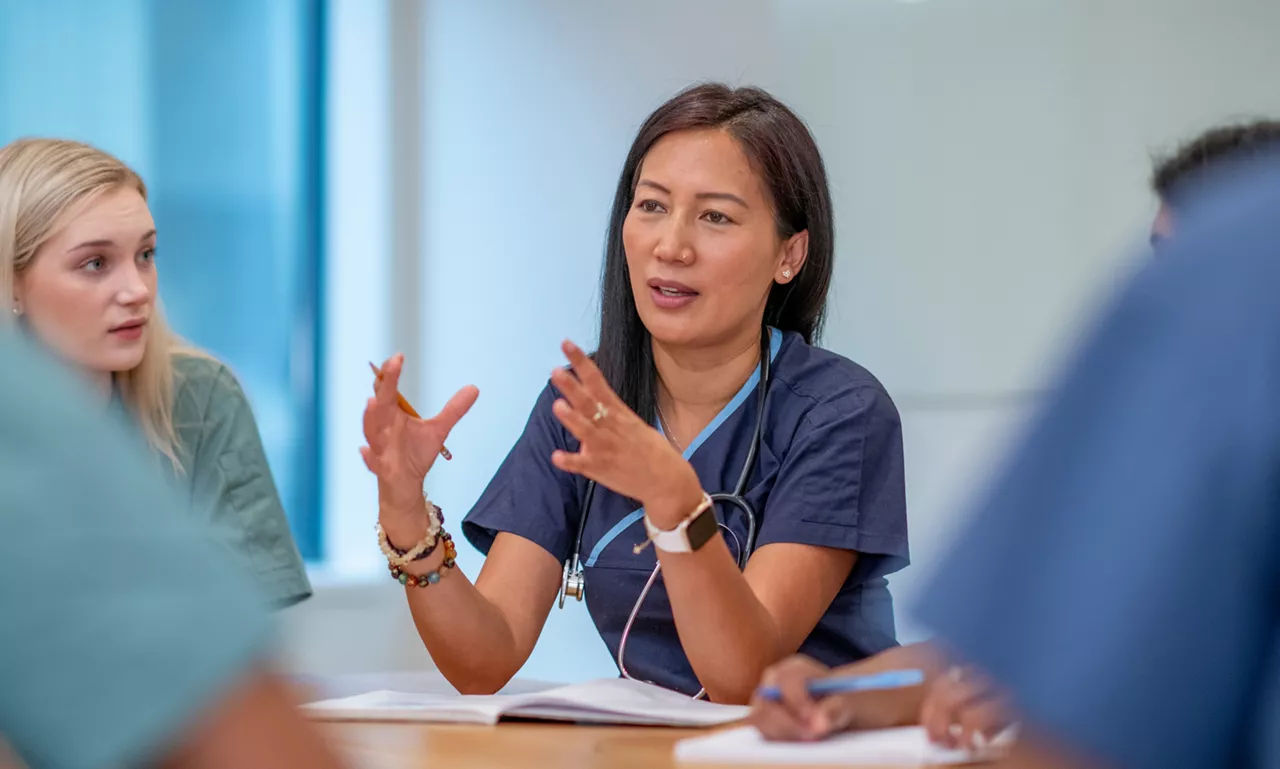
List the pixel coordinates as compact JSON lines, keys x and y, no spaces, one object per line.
{"x":573,"y":583}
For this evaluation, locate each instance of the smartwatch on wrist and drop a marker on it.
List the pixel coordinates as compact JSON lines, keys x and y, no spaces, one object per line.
{"x":690,"y":534}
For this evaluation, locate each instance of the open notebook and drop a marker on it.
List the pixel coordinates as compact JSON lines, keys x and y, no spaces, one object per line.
{"x":605,"y":701}
{"x":908,"y":746}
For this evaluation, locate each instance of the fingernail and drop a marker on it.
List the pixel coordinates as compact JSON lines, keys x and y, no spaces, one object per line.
{"x":821,"y":724}
{"x":979,"y":741}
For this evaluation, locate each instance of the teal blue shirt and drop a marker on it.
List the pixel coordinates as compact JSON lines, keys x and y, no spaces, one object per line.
{"x":121,"y":619}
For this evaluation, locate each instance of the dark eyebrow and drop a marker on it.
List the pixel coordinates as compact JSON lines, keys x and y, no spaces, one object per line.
{"x":700,"y":196}
{"x":722,"y":196}
{"x":655,"y":185}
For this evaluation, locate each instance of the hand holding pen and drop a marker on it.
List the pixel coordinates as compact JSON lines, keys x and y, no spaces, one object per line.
{"x":802,"y":699}
{"x":402,"y":446}
{"x":406,"y":407}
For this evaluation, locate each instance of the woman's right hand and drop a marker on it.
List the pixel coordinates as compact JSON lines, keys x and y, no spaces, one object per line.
{"x":797,"y":716}
{"x":794,"y":715}
{"x":401,"y":449}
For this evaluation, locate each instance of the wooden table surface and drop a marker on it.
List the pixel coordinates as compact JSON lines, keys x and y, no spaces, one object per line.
{"x":509,"y":745}
{"x":373,"y":745}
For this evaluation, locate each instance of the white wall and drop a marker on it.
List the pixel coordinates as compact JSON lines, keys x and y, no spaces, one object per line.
{"x":988,"y":159}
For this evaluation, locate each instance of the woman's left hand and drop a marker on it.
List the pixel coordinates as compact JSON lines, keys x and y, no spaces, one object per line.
{"x":618,"y":450}
{"x":963,"y":708}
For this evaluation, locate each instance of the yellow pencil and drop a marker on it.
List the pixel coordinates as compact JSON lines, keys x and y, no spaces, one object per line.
{"x":408,"y":409}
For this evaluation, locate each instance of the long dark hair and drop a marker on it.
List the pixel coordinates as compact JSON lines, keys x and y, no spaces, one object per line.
{"x":784,"y":154}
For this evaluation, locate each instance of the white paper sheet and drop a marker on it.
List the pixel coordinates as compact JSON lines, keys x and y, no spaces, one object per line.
{"x":907,"y":746}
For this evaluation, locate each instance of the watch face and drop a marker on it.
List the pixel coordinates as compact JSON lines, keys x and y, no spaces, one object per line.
{"x":702,"y":528}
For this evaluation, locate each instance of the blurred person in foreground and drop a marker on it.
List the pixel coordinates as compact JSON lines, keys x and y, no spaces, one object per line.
{"x":959,"y":705}
{"x":1123,"y":578}
{"x":130,"y":635}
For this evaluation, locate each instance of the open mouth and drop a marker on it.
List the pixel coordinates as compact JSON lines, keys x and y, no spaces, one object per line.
{"x":669,"y":294}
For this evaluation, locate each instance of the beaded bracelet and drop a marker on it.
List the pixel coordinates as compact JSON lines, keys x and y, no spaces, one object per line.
{"x":431,"y":577}
{"x":396,"y":556}
{"x":438,"y":526}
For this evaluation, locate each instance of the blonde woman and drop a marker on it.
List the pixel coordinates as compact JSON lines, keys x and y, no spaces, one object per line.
{"x":78,"y":271}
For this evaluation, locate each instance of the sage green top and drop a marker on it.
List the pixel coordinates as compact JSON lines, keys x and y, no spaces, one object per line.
{"x":226,"y":477}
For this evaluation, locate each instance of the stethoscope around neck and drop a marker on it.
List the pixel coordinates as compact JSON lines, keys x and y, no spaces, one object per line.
{"x":573,"y":580}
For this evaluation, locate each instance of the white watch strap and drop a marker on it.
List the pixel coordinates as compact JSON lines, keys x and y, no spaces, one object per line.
{"x":676,"y":540}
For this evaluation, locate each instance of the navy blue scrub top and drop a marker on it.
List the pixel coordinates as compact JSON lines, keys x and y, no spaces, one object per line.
{"x":829,"y":473}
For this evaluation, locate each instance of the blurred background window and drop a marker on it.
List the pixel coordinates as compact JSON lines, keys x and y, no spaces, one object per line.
{"x":217,"y":105}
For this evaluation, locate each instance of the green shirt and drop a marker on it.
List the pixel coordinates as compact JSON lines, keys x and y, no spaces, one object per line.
{"x":226,"y":477}
{"x":121,"y":620}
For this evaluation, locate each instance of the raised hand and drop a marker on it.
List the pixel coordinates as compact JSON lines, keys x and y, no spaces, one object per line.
{"x":401,"y":449}
{"x":618,"y":450}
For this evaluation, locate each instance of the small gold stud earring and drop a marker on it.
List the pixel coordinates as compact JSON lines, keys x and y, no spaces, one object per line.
{"x":786,"y":274}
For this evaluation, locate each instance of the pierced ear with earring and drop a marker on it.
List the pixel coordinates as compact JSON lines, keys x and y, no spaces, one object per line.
{"x":786,"y":273}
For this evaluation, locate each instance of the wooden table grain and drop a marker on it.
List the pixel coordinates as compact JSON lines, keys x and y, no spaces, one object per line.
{"x":511,"y":745}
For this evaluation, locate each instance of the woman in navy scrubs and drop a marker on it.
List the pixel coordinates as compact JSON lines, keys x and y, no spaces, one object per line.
{"x":719,"y":250}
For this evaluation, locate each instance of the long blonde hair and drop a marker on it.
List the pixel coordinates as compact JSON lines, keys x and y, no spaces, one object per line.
{"x":43,"y":182}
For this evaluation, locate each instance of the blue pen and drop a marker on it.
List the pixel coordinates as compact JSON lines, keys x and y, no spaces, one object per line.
{"x":821,"y":687}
